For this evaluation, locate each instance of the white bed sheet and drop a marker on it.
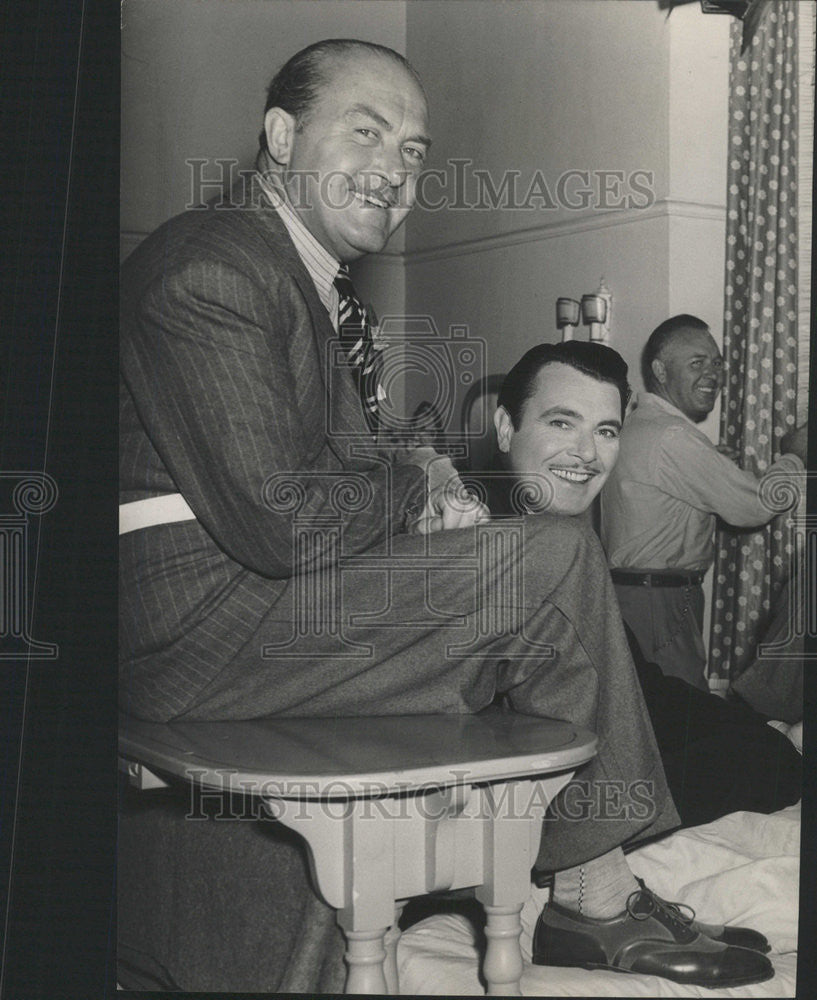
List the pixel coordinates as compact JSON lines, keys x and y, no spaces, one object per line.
{"x":741,"y":869}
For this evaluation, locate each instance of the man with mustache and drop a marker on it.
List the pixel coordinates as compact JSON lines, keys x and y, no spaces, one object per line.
{"x":660,"y":503}
{"x":545,"y":462}
{"x":234,"y":423}
{"x":558,"y":425}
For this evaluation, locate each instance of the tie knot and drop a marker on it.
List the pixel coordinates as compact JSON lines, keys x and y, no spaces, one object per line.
{"x":343,"y":283}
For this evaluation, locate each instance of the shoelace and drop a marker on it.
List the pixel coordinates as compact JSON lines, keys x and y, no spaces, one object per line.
{"x":672,"y":910}
{"x":676,"y":909}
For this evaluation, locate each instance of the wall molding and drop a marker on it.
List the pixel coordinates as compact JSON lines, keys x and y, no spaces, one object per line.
{"x":665,"y":209}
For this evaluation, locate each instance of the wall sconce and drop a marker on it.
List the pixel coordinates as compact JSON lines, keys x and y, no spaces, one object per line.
{"x":596,"y":312}
{"x":567,"y":316}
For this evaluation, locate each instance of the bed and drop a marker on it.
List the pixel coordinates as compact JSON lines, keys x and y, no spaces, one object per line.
{"x":740,"y":869}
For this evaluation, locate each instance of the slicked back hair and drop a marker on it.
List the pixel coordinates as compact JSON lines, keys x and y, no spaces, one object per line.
{"x":588,"y":357}
{"x":297,"y":85}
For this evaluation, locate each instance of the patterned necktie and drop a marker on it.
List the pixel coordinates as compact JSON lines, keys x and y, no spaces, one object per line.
{"x":356,"y":337}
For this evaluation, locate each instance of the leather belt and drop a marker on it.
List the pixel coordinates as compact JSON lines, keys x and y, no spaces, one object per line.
{"x":166,"y":509}
{"x":636,"y":578}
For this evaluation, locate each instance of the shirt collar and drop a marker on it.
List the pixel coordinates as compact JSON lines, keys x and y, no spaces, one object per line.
{"x":665,"y":404}
{"x":320,"y":264}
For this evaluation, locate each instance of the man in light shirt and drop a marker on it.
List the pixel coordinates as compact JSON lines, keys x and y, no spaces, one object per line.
{"x":660,"y":503}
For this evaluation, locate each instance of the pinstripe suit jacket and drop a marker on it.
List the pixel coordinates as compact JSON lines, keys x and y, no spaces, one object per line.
{"x":226,"y":381}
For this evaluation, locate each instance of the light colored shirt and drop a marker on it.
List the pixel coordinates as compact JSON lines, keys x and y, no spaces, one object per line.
{"x":321,"y":265}
{"x":659,"y":504}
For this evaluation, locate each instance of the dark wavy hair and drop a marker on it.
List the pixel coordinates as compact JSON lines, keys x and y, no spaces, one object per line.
{"x":589,"y":357}
{"x":298,"y":83}
{"x":660,"y":337}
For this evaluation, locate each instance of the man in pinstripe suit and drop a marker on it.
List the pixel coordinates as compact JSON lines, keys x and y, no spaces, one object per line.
{"x":253,"y":494}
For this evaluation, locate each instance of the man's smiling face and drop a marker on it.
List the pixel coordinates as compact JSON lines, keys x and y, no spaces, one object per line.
{"x":352,"y":165}
{"x":568,"y":435}
{"x":689,"y":373}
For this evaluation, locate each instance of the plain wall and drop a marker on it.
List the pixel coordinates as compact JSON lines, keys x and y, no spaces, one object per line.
{"x":558,"y":85}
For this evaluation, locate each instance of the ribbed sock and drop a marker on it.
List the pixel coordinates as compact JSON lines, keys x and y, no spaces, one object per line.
{"x":598,"y":888}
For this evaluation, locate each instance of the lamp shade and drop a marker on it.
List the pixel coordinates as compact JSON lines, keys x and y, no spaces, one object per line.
{"x":567,"y":312}
{"x":594,"y":309}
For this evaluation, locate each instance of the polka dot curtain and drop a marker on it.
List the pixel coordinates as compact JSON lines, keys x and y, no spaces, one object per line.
{"x":760,"y":320}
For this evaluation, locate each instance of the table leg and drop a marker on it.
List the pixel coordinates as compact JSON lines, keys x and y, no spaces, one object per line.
{"x":513,"y":814}
{"x":502,"y":967}
{"x":365,"y":956}
{"x":352,"y":860}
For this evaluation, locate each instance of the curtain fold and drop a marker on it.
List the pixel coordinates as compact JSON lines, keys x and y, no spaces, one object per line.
{"x":760,"y":344}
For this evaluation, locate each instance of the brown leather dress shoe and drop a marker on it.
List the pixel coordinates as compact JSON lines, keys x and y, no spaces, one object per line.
{"x":740,"y":937}
{"x":647,"y":938}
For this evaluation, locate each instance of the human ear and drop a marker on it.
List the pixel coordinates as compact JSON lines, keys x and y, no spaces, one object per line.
{"x":504,"y":428}
{"x":659,"y":370}
{"x":279,"y":128}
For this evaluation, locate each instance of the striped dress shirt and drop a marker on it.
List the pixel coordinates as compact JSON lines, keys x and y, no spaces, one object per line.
{"x":320,"y":264}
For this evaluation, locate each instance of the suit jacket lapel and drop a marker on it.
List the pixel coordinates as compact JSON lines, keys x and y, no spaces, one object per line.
{"x":345,"y":421}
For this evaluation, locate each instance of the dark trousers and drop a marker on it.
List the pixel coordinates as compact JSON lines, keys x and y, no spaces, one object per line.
{"x":212,"y":900}
{"x":719,"y":756}
{"x":668,"y":624}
